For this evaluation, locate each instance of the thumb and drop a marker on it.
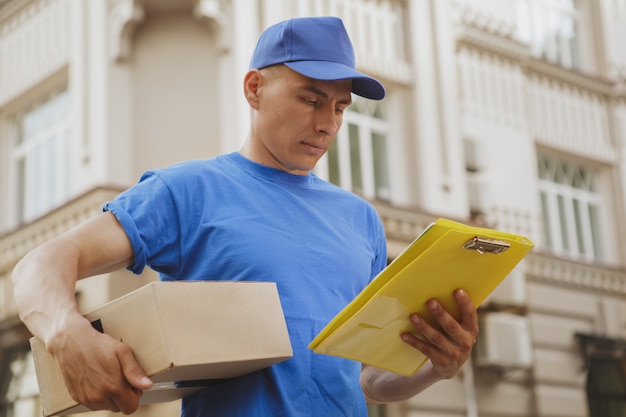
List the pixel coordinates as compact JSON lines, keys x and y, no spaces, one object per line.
{"x":133,"y":372}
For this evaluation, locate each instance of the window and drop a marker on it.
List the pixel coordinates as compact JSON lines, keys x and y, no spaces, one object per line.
{"x":552,"y":28}
{"x":606,"y":387}
{"x":40,"y":167}
{"x":605,"y":360}
{"x":571,"y":208}
{"x":18,"y":386}
{"x":376,"y":410}
{"x":358,"y":160}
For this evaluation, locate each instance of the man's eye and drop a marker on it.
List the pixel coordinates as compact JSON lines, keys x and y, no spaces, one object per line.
{"x":310,"y":101}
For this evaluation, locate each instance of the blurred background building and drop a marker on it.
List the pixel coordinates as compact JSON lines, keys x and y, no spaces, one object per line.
{"x":504,"y":113}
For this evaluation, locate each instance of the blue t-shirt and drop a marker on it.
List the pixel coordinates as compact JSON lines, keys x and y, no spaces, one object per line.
{"x":229,"y":218}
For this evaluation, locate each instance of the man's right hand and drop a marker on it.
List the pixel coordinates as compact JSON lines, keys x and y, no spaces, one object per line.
{"x":100,"y":372}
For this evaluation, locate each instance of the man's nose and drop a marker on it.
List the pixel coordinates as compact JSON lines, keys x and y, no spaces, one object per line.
{"x":328,"y":121}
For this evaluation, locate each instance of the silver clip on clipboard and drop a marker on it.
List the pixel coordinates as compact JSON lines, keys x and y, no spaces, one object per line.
{"x":483,"y":245}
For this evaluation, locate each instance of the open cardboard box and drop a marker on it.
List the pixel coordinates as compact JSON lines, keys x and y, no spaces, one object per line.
{"x":180,"y":332}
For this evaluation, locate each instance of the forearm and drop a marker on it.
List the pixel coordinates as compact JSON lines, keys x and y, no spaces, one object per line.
{"x":45,"y":279}
{"x":99,"y":371}
{"x":380,"y":386}
{"x":44,"y":286}
{"x":447,"y":351}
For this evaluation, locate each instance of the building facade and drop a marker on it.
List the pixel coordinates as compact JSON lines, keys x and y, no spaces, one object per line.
{"x":508,"y":114}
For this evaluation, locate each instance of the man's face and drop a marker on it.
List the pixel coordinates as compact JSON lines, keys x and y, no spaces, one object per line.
{"x":296,"y":118}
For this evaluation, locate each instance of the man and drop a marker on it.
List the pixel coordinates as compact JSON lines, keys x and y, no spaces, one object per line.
{"x":257,"y":214}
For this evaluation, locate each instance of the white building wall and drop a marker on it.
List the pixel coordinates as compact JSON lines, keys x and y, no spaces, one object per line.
{"x":437,"y":158}
{"x":153,"y":86}
{"x":612,"y":16}
{"x":175,"y":114}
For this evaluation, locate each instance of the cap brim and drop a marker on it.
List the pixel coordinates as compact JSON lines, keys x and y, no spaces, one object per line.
{"x":362,"y":85}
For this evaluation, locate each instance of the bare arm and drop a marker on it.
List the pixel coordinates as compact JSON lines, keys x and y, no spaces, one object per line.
{"x":447,"y":350}
{"x":99,"y":371}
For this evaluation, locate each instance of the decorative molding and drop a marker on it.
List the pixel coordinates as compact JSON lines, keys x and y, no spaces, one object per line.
{"x":617,"y":71}
{"x":214,"y":14}
{"x":124,"y":16}
{"x":403,"y":225}
{"x":469,"y":15}
{"x":619,"y":96}
{"x":481,"y":40}
{"x":16,"y":244}
{"x":592,"y":83}
{"x":542,"y":267}
{"x":513,"y":50}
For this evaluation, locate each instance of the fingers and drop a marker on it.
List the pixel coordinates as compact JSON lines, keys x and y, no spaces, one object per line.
{"x":132,"y":370}
{"x":107,"y":393}
{"x":469,"y":318}
{"x":102,"y":373}
{"x":136,"y":380}
{"x":126,"y":401}
{"x":461,"y":332}
{"x":448,"y":339}
{"x":449,"y":346}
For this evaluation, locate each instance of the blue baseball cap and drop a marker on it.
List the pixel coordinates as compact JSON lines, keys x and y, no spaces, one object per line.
{"x":316,"y":47}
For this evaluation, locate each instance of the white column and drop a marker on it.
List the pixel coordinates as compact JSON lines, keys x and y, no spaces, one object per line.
{"x":617,"y":251}
{"x":98,"y":151}
{"x":116,"y":42}
{"x":6,"y":188}
{"x":77,"y":84}
{"x":438,"y":160}
{"x":233,"y":67}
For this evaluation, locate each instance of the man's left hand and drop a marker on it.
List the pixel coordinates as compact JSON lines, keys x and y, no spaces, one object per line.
{"x":447,"y":348}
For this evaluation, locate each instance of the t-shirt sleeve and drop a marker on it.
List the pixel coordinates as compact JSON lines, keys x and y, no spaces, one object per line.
{"x":149,"y":215}
{"x":380,"y":245}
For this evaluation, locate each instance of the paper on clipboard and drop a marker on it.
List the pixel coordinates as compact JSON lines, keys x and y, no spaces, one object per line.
{"x":446,"y":256}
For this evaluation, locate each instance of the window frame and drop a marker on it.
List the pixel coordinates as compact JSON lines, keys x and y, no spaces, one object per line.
{"x":603,"y":350}
{"x":40,"y":166}
{"x":352,"y":153}
{"x":555,"y":48}
{"x":571,"y":215}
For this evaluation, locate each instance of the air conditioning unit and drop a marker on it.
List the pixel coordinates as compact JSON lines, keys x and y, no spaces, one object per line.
{"x":512,"y":290}
{"x":503,"y":341}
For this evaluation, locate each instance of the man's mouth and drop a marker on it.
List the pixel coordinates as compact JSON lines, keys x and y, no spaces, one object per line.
{"x":315,"y":147}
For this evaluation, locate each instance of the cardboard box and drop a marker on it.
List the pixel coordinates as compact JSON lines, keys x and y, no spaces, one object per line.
{"x":182,"y":331}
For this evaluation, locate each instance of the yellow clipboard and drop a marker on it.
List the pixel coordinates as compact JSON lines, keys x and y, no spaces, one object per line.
{"x":446,"y":256}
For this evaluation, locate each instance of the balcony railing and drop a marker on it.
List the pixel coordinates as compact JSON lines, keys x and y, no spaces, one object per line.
{"x":402,"y":226}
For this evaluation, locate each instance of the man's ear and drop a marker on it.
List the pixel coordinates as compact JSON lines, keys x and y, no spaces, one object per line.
{"x":251,"y":84}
